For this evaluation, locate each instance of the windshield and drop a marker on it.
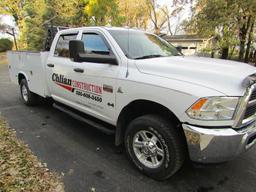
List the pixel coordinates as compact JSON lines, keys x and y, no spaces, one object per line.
{"x":141,"y":45}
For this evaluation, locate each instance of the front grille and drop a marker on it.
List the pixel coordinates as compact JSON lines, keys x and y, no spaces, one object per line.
{"x":251,"y":105}
{"x":246,"y":110}
{"x":250,"y":111}
{"x":253,"y":95}
{"x":251,"y":139}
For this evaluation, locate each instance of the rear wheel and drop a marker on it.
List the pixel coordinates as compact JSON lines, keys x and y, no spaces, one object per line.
{"x":155,"y":146}
{"x":27,"y":96}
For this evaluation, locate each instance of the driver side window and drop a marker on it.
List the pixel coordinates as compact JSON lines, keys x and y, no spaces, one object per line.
{"x":94,"y":43}
{"x":62,"y":46}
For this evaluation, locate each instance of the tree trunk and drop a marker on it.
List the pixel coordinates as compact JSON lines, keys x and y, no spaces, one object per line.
{"x":224,"y":54}
{"x":232,"y":52}
{"x":246,"y":59}
{"x":169,"y":25}
{"x":254,"y":58}
{"x":251,"y":56}
{"x":243,"y":33}
{"x":157,"y":30}
{"x":242,"y":45}
{"x":153,"y":15}
{"x":212,"y":54}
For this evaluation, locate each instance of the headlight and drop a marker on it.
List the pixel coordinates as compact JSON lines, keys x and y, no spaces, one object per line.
{"x":214,"y":108}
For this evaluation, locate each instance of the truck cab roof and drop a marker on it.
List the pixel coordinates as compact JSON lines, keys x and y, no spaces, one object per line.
{"x":107,"y":28}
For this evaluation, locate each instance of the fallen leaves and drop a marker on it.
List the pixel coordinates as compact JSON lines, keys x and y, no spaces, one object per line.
{"x":20,"y":170}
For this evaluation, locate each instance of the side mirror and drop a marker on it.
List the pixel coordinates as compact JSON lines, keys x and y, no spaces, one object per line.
{"x":179,"y":48}
{"x":78,"y":54}
{"x":75,"y":48}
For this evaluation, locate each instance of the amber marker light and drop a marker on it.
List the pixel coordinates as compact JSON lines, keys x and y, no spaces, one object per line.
{"x":198,"y":105}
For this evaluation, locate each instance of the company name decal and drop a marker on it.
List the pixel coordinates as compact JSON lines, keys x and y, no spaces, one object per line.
{"x":87,"y":87}
{"x":86,"y":90}
{"x":63,"y":81}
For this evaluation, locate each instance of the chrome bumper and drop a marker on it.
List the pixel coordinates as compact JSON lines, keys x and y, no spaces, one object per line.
{"x":218,"y":145}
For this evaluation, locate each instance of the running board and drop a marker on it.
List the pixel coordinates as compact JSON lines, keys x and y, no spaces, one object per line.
{"x":83,"y":118}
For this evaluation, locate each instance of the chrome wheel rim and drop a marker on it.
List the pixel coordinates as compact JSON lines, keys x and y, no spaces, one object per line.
{"x":148,"y":149}
{"x":24,"y":92}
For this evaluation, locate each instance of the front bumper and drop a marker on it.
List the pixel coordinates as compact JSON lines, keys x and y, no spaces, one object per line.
{"x":207,"y":145}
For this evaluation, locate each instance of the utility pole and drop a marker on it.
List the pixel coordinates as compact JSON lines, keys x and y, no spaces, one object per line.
{"x":14,"y":37}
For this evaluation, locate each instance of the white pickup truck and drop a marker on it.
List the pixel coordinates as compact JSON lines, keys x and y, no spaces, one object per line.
{"x":161,"y":105}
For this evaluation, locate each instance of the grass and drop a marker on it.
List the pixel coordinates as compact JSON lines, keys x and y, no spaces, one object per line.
{"x":3,"y":58}
{"x":20,"y":170}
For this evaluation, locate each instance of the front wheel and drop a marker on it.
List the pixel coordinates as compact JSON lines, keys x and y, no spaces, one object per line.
{"x":155,"y":146}
{"x":28,"y":97}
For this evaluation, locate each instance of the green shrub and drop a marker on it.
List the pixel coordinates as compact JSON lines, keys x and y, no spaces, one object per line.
{"x":5,"y":44}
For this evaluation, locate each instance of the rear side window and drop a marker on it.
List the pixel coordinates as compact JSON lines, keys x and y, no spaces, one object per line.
{"x":94,"y":43}
{"x":62,"y":47}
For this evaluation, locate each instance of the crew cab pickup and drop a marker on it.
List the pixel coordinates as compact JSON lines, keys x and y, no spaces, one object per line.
{"x":163,"y":106}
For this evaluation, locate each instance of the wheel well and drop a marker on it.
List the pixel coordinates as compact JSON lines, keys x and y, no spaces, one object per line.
{"x":138,"y":108}
{"x":20,"y":77}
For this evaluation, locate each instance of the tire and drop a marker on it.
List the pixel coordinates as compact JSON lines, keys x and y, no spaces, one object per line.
{"x":155,"y":146}
{"x":29,"y":98}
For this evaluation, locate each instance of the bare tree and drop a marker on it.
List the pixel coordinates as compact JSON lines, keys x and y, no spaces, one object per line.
{"x":169,"y":15}
{"x":160,"y":16}
{"x":156,"y":16}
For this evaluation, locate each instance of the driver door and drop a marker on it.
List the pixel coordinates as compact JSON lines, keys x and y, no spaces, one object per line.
{"x":95,"y":83}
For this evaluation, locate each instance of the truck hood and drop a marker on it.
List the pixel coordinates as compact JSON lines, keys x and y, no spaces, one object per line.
{"x":223,"y":76}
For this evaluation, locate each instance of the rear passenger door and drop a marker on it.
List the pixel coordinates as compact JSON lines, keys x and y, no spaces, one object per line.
{"x":59,"y":70}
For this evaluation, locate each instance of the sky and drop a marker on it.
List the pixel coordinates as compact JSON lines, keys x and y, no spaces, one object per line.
{"x":9,"y":21}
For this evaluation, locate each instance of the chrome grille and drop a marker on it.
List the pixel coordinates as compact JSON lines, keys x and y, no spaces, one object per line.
{"x":250,"y":110}
{"x":246,"y":111}
{"x":253,"y":95}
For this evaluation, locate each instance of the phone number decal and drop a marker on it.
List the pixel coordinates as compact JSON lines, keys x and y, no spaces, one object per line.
{"x":89,"y":96}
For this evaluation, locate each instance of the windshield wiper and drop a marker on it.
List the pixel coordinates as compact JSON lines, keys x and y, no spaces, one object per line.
{"x":149,"y":56}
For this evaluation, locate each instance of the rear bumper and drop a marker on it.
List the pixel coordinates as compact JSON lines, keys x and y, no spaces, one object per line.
{"x":218,"y":145}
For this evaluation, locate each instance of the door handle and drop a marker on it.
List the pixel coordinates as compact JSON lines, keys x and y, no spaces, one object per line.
{"x":78,"y":70}
{"x":111,"y":104}
{"x":50,"y":65}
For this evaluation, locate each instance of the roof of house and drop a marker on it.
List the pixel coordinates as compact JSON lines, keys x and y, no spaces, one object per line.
{"x":183,"y":38}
